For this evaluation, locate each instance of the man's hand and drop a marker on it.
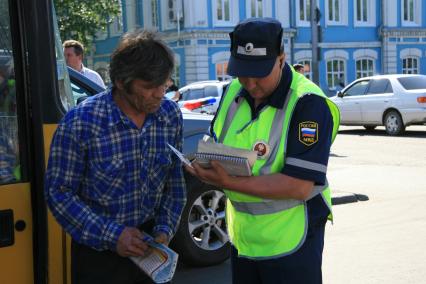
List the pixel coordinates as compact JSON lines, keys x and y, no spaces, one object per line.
{"x":162,"y":238}
{"x":130,"y":243}
{"x":216,"y":175}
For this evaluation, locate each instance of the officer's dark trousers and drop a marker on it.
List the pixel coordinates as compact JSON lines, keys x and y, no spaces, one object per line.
{"x":301,"y":267}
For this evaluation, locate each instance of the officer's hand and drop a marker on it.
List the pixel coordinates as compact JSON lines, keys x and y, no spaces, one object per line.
{"x":162,"y":238}
{"x":216,"y":175}
{"x":130,"y":243}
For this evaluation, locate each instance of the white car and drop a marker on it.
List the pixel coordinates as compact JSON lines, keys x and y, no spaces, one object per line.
{"x":203,"y":96}
{"x":395,"y":101}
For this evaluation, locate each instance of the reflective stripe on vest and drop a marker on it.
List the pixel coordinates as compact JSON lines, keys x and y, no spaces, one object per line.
{"x":270,"y":206}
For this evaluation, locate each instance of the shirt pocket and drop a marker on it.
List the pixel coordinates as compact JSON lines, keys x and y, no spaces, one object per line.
{"x":107,"y":176}
{"x":161,"y":163}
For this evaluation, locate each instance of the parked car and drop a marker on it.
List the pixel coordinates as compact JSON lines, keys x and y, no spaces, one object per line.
{"x":203,"y":96}
{"x":201,"y":239}
{"x":395,"y":101}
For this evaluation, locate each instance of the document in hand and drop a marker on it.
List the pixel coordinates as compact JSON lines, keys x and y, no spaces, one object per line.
{"x":236,"y":162}
{"x":160,"y":264}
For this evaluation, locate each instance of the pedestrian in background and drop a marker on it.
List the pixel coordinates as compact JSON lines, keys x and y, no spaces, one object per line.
{"x":74,"y":53}
{"x":299,"y":68}
{"x":276,"y":217}
{"x":111,"y":175}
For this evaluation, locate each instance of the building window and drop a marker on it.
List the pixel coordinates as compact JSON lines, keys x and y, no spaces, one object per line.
{"x":154,"y":13}
{"x":364,"y":67}
{"x":116,"y":27}
{"x":256,"y":8}
{"x":336,"y":12}
{"x":411,"y":12}
{"x":303,"y":12}
{"x":176,"y":74}
{"x":221,"y":74}
{"x":410,"y":65}
{"x":336,"y":74}
{"x":223,"y":11}
{"x":307,"y":67}
{"x":365,"y":13}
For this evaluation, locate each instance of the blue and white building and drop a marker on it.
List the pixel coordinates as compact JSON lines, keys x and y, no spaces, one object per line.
{"x":357,"y":37}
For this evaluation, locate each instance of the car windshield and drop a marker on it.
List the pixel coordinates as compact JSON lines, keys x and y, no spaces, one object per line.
{"x":193,"y":94}
{"x":413,"y":82}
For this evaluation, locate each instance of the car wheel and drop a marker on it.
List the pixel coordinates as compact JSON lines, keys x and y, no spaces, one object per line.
{"x":202,"y":239}
{"x":393,"y":123}
{"x":370,"y":127}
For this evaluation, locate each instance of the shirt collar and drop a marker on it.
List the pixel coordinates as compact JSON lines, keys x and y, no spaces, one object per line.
{"x":278,"y":96}
{"x":118,"y":116}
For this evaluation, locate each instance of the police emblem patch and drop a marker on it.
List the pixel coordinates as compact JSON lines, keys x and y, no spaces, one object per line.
{"x":262,"y":148}
{"x":308,"y":132}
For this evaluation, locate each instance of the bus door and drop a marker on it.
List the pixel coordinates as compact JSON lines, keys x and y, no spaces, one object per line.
{"x":31,"y":85}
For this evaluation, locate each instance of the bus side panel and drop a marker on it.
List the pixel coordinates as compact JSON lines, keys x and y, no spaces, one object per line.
{"x":56,"y":236}
{"x":16,"y":261}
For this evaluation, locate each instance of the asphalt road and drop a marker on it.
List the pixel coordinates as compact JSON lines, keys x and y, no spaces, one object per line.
{"x":381,"y":240}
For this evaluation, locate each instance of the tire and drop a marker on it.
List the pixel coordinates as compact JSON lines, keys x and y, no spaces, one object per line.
{"x":393,"y":123}
{"x":370,"y":127}
{"x":202,"y":239}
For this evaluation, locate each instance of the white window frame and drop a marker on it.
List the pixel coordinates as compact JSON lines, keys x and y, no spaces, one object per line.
{"x":266,"y":8}
{"x":334,"y":83}
{"x":364,"y":72}
{"x":413,"y":69}
{"x":233,"y":13}
{"x":370,"y":7}
{"x":305,"y":22}
{"x":148,"y":12}
{"x":416,"y":10}
{"x":223,"y":76}
{"x":221,"y":57}
{"x":342,"y":12}
{"x":363,"y":54}
{"x":116,"y":27}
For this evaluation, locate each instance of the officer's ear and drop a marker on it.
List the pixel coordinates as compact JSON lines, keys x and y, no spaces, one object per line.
{"x":281,"y":59}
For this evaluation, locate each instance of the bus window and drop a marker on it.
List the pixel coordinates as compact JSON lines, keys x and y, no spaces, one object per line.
{"x":64,"y":84}
{"x":9,"y":148}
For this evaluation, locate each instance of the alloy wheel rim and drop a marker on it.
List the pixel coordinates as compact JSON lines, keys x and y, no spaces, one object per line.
{"x":206,"y":221}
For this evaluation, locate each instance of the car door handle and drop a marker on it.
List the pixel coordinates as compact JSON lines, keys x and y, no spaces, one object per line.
{"x":386,"y":101}
{"x":7,"y":232}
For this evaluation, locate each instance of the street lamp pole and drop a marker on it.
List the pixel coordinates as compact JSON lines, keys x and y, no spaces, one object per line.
{"x":314,"y":42}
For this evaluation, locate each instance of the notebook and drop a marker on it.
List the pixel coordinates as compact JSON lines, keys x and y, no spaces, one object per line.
{"x":236,"y":162}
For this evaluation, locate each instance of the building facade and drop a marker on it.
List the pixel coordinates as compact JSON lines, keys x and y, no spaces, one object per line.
{"x":357,"y":37}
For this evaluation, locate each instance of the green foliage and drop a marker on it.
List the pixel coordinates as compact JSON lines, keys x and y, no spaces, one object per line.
{"x":80,"y":20}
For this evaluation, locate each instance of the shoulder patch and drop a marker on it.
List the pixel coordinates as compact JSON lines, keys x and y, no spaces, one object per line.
{"x":308,"y":132}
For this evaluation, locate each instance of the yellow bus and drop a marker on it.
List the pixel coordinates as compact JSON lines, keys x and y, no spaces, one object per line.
{"x":32,"y":72}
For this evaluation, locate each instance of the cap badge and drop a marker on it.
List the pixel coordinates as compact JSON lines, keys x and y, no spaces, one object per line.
{"x":249,"y":47}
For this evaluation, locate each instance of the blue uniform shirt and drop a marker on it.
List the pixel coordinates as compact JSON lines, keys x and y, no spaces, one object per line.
{"x":310,"y":108}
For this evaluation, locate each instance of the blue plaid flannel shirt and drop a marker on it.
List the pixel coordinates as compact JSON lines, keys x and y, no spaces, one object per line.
{"x":104,"y":173}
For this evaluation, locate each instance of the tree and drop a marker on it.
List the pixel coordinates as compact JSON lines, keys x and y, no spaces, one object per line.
{"x":81,"y":20}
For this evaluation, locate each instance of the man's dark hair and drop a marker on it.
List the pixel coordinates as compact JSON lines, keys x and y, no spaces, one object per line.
{"x":298,"y":67}
{"x":141,"y":55}
{"x":78,"y":46}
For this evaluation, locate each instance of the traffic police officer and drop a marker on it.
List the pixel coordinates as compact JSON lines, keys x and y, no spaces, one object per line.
{"x":276,"y":217}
